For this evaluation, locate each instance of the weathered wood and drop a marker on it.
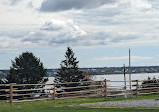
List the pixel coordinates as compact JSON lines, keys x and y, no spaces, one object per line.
{"x":54,"y":94}
{"x":145,"y":80}
{"x":86,"y":96}
{"x":11,"y":94}
{"x":148,"y":88}
{"x":33,"y":84}
{"x":7,"y":95}
{"x":93,"y":88}
{"x":51,"y":83}
{"x":4,"y":84}
{"x":5,"y":90}
{"x":137,"y":84}
{"x":121,"y":94}
{"x":105,"y":88}
{"x":32,"y":89}
{"x":57,"y":83}
{"x":84,"y":91}
{"x":118,"y":85}
{"x":150,"y":85}
{"x":116,"y":90}
{"x":124,"y":78}
{"x":64,"y":88}
{"x":32,"y":94}
{"x":149,"y":93}
{"x":121,"y":90}
{"x":19,"y":101}
{"x":77,"y":82}
{"x":116,"y":81}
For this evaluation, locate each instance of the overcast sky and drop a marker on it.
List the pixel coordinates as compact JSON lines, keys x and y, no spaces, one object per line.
{"x":100,"y":32}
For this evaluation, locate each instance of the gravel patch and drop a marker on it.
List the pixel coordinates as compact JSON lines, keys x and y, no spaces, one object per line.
{"x":132,"y":103}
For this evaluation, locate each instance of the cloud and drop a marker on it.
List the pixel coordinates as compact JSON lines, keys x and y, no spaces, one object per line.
{"x":62,"y":5}
{"x":54,"y":25}
{"x":33,"y":37}
{"x":8,"y":43}
{"x":66,"y":27}
{"x":113,"y":23}
{"x":141,"y":4}
{"x":56,"y":32}
{"x":123,"y":58}
{"x":66,"y":32}
{"x":14,"y":2}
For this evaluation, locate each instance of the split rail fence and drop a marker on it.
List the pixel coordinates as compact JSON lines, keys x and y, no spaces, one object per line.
{"x":30,"y":92}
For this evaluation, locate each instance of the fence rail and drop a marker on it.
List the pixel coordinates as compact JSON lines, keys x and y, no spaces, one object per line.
{"x":30,"y":92}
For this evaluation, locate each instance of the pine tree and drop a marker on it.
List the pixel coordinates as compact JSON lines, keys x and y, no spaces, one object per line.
{"x":26,"y":69}
{"x":69,"y":71}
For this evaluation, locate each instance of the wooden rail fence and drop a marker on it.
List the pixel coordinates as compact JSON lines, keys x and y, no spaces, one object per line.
{"x":30,"y":92}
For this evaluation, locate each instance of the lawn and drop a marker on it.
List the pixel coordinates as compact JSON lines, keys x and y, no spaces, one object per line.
{"x":64,"y":105}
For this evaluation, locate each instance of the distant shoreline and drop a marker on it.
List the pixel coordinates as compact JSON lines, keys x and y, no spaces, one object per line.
{"x":118,"y":74}
{"x":103,"y":70}
{"x":127,"y":73}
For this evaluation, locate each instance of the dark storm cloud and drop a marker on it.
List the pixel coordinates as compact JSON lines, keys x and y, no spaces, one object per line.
{"x":62,"y":5}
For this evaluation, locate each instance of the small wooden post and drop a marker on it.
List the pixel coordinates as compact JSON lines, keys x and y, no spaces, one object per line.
{"x":54,"y":95}
{"x":124,"y":77}
{"x":11,"y":94}
{"x":137,"y":84}
{"x":105,"y":85}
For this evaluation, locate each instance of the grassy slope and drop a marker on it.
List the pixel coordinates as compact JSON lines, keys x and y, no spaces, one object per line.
{"x":63,"y":106}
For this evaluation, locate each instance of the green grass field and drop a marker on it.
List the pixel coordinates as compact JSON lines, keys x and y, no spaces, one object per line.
{"x":71,"y":105}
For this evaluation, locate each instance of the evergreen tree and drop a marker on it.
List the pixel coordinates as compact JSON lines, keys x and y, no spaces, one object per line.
{"x":69,"y":71}
{"x":27,"y":69}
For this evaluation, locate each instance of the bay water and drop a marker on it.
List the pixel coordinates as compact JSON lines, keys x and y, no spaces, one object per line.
{"x":119,"y":77}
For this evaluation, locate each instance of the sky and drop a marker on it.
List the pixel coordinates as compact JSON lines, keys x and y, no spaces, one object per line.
{"x":100,"y":32}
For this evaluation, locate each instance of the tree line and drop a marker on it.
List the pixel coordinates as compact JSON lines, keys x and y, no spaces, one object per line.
{"x":28,"y":69}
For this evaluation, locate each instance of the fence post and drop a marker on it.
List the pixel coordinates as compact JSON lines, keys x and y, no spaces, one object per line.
{"x":137,"y":84}
{"x":105,"y":86}
{"x":54,"y":95}
{"x":11,"y":94}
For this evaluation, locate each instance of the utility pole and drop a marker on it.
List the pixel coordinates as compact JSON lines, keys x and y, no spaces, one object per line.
{"x":124,"y":77}
{"x":129,"y":69}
